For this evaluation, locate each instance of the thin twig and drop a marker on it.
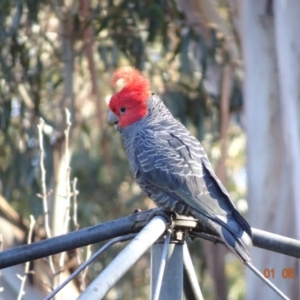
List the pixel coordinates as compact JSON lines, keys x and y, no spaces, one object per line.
{"x":44,"y":190}
{"x":43,"y":178}
{"x":75,"y":193}
{"x":76,"y":226}
{"x":225,"y":115}
{"x":68,"y":186}
{"x":1,"y":249}
{"x":27,"y":264}
{"x":1,"y":243}
{"x":85,"y":271}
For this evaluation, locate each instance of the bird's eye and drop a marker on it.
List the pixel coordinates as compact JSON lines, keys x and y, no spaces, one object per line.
{"x":122,"y":109}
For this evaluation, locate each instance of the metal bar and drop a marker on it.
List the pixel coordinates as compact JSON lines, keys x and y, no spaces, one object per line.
{"x":124,"y":260}
{"x":191,"y":286}
{"x":88,"y":262}
{"x":172,"y":286}
{"x":94,"y":234}
{"x":276,"y":243}
{"x":162,"y":266}
{"x":130,"y":224}
{"x":262,"y":239}
{"x":265,"y":280}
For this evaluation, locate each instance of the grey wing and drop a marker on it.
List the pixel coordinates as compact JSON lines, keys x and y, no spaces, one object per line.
{"x":173,"y":169}
{"x":177,"y":166}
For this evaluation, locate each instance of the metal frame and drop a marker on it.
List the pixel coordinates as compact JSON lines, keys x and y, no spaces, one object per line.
{"x":168,"y":256}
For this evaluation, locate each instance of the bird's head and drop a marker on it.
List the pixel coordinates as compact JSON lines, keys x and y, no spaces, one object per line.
{"x":129,"y":105}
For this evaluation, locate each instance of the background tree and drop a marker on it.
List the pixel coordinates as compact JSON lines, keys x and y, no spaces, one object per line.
{"x":271,"y":54}
{"x":57,"y":55}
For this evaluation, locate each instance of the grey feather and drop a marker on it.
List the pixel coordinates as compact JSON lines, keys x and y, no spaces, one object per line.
{"x":171,"y":166}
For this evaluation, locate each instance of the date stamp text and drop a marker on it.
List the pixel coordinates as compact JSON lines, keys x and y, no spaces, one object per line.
{"x":286,"y":273}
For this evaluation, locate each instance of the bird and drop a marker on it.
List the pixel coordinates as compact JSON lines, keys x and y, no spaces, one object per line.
{"x":172,"y":168}
{"x":170,"y":164}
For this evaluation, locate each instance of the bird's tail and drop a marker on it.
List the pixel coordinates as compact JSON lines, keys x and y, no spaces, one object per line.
{"x":237,"y":244}
{"x":234,"y":231}
{"x":237,"y":235}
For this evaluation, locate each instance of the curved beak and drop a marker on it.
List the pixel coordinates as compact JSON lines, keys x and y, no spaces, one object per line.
{"x":112,"y":118}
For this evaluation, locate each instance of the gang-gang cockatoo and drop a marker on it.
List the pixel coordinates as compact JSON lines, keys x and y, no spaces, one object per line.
{"x":170,"y":164}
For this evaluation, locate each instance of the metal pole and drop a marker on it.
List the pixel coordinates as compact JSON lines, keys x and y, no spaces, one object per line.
{"x":124,"y":260}
{"x":172,"y":284}
{"x":191,"y":286}
{"x":266,"y":281}
{"x":90,"y":235}
{"x":261,"y":239}
{"x":162,"y":266}
{"x":275,"y":242}
{"x":88,"y":262}
{"x":130,"y":224}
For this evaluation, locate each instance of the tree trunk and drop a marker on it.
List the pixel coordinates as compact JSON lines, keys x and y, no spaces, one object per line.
{"x":61,"y":162}
{"x":287,"y":24}
{"x":270,"y":187}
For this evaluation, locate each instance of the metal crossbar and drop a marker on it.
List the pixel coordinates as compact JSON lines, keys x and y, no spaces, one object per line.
{"x":130,"y":224}
{"x":125,"y":228}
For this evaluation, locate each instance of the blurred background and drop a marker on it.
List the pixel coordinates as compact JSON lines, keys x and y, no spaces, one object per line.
{"x":227,"y":69}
